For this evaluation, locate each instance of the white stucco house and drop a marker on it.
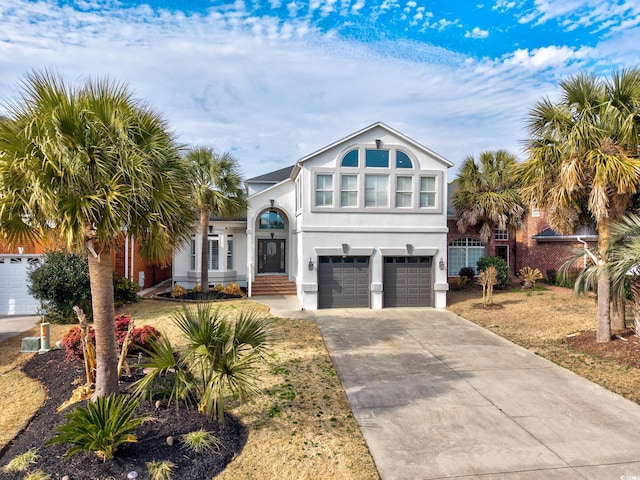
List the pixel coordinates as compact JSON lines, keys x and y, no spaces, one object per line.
{"x":361,"y":222}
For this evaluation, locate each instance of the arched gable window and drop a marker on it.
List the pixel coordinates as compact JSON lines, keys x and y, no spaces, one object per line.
{"x":271,"y":220}
{"x":350,"y":159}
{"x":403,"y":160}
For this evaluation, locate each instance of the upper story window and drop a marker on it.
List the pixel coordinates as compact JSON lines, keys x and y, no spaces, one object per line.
{"x":350,"y":159}
{"x":324,"y":190}
{"x":403,"y":160}
{"x":377,"y":158}
{"x":388,"y":179}
{"x":349,"y":191}
{"x":271,"y":220}
{"x":376,"y":191}
{"x":428,"y":191}
{"x":404,"y":191}
{"x":501,"y":234}
{"x":535,"y":211}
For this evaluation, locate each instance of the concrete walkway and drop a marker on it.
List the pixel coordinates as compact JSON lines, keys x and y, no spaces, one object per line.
{"x":439,"y":397}
{"x":10,"y":326}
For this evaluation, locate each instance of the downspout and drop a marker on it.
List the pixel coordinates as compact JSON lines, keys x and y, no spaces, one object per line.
{"x":126,"y":256}
{"x":584,"y":246}
{"x":132,"y":278}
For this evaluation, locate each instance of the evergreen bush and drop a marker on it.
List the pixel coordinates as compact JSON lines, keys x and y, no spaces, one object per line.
{"x":502,"y":269}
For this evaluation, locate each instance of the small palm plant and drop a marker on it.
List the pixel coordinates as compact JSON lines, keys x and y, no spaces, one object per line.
{"x":100,"y":427}
{"x":488,"y":278}
{"x":218,"y":357}
{"x":529,"y":275}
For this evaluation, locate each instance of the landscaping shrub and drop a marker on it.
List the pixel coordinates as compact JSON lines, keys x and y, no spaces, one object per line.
{"x":139,"y":340}
{"x":233,"y":289}
{"x":61,"y":281}
{"x":458,"y":283}
{"x":178,"y":291}
{"x":100,"y":427}
{"x":502,"y":269}
{"x":218,"y":357}
{"x":467,"y":272}
{"x":124,"y":290}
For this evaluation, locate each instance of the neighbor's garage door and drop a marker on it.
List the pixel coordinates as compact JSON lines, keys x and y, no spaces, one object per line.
{"x":14,"y":295}
{"x":343,"y":282}
{"x":407,"y":282}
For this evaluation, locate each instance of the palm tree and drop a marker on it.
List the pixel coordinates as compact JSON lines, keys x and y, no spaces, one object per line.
{"x":623,"y":264}
{"x":218,"y":355}
{"x":488,"y":196}
{"x":89,"y":163}
{"x":218,"y":192}
{"x":583,"y":158}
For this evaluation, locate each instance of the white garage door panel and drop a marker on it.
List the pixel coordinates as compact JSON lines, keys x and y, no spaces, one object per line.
{"x":14,"y":294}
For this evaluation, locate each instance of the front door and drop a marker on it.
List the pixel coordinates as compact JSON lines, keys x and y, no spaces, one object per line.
{"x":271,"y":255}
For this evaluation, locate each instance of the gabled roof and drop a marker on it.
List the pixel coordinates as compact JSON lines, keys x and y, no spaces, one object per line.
{"x":371,"y":127}
{"x":273,"y":177}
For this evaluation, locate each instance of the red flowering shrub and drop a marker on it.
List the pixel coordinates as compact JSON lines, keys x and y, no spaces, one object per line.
{"x":139,"y":338}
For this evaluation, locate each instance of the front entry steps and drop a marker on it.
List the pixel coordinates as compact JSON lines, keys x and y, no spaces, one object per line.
{"x":272,"y":285}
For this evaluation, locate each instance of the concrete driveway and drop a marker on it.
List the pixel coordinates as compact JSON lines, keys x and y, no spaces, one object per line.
{"x":10,"y":326}
{"x":439,"y":397}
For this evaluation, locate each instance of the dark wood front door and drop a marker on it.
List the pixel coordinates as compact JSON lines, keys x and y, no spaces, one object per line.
{"x":271,"y":256}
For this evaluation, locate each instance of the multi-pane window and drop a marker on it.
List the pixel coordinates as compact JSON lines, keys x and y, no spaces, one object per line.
{"x":404,"y":189}
{"x":377,"y":158}
{"x":501,"y":234}
{"x":464,"y":252}
{"x":229,"y":254}
{"x":324,"y":190}
{"x":535,"y":211}
{"x":192,"y":258}
{"x":428,"y":192}
{"x":349,"y":191}
{"x":213,"y":254}
{"x":376,"y":189}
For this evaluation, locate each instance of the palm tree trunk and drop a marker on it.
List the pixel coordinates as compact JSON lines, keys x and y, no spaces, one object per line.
{"x":618,"y":312}
{"x":101,"y":279}
{"x":204,"y":256}
{"x":603,"y":329}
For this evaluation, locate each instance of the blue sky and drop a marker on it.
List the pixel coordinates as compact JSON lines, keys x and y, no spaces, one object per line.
{"x":274,"y":80}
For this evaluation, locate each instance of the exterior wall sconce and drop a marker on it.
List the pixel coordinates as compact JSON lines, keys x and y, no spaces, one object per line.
{"x":441,"y":264}
{"x":345,"y":248}
{"x":272,"y":235}
{"x":378,"y":143}
{"x":272,"y":201}
{"x":311,"y":264}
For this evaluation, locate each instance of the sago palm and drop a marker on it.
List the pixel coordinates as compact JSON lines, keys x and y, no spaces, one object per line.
{"x":487,"y":196}
{"x":218,"y":192}
{"x":583,"y":159}
{"x":89,"y":163}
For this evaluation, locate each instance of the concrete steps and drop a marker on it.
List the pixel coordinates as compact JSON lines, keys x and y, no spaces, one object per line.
{"x":272,"y":285}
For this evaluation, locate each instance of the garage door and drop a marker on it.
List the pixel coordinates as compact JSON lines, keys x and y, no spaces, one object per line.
{"x":343,"y":282}
{"x":14,"y":296}
{"x":407,"y":282}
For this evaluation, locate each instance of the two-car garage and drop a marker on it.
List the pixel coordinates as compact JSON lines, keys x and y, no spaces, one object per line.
{"x":344,"y":281}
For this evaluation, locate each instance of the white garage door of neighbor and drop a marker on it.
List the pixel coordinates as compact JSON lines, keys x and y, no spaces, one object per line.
{"x":14,"y":295}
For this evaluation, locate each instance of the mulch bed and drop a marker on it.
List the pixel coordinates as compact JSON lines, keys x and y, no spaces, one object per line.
{"x":624,"y":348}
{"x":58,"y":376}
{"x":199,"y":296}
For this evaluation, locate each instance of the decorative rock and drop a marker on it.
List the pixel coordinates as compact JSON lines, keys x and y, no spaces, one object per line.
{"x":170,"y":440}
{"x":158,"y":403}
{"x":132,"y":475}
{"x":66,"y":477}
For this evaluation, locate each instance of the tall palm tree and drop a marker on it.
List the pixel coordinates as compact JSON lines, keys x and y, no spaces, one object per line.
{"x":218,"y":191}
{"x":488,"y":196}
{"x":623,"y":263}
{"x":88,"y":163}
{"x":583,"y":157}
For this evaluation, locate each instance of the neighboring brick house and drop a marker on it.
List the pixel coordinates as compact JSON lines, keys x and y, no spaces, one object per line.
{"x":536,"y":245}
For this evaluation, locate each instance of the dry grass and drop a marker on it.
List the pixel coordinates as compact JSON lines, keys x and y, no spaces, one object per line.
{"x":300,"y":426}
{"x":540,"y":321}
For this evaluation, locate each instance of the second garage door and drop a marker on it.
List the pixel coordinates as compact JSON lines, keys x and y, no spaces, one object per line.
{"x":343,"y":282}
{"x":407,"y":282}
